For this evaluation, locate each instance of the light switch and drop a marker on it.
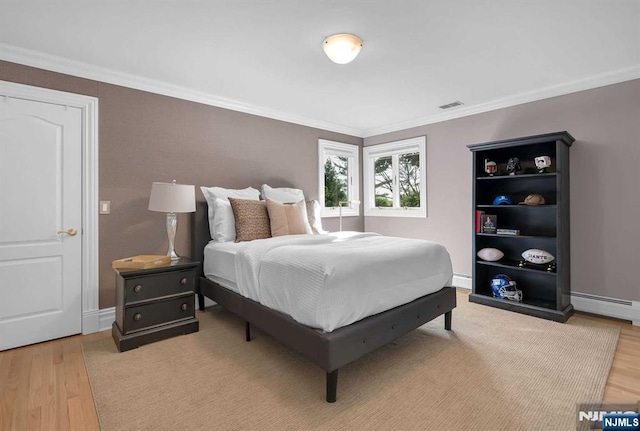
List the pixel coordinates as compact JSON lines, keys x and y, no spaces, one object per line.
{"x":105,"y":207}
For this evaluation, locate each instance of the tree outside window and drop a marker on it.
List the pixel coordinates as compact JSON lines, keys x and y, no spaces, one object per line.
{"x":409,"y":173}
{"x":335,"y":180}
{"x":393,"y":180}
{"x":338,"y":167}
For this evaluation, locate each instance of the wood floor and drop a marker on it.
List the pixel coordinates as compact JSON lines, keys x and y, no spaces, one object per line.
{"x":45,"y":386}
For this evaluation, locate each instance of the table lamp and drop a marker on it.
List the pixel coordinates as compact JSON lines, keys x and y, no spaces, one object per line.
{"x":172,"y":198}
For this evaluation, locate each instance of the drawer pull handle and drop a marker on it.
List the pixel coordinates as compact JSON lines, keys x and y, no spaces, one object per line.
{"x":184,"y":281}
{"x":137,"y":317}
{"x":184,"y":307}
{"x":138,"y":288}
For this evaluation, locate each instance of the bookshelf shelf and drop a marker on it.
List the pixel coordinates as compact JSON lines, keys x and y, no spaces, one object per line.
{"x":517,"y":236}
{"x":517,"y":177}
{"x":513,"y":265}
{"x":527,"y":207}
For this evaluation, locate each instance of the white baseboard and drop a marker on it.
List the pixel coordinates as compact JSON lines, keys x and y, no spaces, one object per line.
{"x":605,"y":306}
{"x":91,"y":321}
{"x":107,"y":317}
{"x":462,"y":281}
{"x":98,"y":320}
{"x":207,"y":303}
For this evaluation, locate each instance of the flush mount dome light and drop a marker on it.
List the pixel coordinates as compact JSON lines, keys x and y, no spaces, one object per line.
{"x":342,"y":48}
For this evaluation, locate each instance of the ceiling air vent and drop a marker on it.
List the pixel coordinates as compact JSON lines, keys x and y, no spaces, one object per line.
{"x":451,"y":105}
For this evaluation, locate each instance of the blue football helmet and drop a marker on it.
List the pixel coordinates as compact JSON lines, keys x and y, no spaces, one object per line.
{"x":505,"y":288}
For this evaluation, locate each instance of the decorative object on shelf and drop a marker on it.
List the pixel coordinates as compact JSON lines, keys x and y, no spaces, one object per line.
{"x":489,"y":223}
{"x":508,"y":232}
{"x":538,"y":257}
{"x":142,"y":261}
{"x":503,"y":287}
{"x":542,"y":163}
{"x":172,"y":198}
{"x":490,"y":167}
{"x":351,"y":202}
{"x":342,"y":48}
{"x":490,"y":254}
{"x":502,"y":200}
{"x":533,"y":200}
{"x":513,"y":166}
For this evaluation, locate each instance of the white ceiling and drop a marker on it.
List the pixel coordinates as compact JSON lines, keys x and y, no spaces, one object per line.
{"x":265,"y":57}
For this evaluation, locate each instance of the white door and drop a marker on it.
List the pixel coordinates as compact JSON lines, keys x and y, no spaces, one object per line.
{"x":40,"y":221}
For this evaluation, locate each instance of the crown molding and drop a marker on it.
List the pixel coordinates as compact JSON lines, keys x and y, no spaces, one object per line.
{"x":595,"y":81}
{"x":54,"y":63}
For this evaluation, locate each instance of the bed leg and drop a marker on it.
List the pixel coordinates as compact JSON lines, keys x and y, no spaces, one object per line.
{"x":332,"y":386}
{"x":248,"y":332}
{"x":447,"y":320}
{"x":201,"y":301}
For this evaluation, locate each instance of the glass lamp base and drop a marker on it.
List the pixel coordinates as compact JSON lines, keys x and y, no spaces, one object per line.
{"x":172,"y":225}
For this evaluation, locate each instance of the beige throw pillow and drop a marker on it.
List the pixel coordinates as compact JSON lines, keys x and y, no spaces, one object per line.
{"x":286,"y":219}
{"x":252,"y":219}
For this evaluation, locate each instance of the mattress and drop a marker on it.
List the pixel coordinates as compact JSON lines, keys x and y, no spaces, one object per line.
{"x":330,"y":281}
{"x":219,"y":263}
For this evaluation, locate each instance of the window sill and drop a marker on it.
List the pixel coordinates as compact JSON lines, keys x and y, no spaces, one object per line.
{"x":418,"y":213}
{"x":324,"y":213}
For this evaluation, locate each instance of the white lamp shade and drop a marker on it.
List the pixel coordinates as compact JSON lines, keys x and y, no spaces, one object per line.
{"x":342,"y":48}
{"x":172,"y":198}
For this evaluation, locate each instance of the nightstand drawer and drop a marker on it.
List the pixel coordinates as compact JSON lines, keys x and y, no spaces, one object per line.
{"x":158,"y":285}
{"x":158,"y":313}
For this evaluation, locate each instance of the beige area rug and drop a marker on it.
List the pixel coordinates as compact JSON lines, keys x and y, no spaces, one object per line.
{"x":496,"y":370}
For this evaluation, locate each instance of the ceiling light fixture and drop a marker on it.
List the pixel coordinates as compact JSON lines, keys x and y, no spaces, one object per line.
{"x":342,"y":48}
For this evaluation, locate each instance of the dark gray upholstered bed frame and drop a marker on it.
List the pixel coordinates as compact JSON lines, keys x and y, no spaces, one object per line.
{"x":330,"y":350}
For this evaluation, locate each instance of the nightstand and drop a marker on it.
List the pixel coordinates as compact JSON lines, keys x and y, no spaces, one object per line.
{"x":154,"y":304}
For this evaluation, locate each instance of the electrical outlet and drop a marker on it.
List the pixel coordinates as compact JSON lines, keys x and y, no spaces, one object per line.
{"x":105,"y":207}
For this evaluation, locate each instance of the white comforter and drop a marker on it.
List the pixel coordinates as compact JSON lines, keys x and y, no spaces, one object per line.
{"x":329,"y":281}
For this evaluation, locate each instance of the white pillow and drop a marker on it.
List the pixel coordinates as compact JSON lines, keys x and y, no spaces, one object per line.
{"x":224,"y":224}
{"x":313,"y":213}
{"x":283,"y":195}
{"x":286,"y":195}
{"x":220,"y":227}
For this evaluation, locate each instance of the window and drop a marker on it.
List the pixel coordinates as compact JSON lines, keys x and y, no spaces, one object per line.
{"x":395,"y":179}
{"x":338,"y":178}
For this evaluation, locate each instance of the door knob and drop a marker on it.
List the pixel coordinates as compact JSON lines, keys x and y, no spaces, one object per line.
{"x":70,"y":232}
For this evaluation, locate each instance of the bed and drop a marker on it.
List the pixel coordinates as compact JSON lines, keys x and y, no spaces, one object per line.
{"x":329,"y":342}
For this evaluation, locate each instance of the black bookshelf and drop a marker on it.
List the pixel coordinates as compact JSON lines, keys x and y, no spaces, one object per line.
{"x":546,"y":294}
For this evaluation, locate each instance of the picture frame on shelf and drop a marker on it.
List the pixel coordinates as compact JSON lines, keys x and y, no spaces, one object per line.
{"x":489,"y":223}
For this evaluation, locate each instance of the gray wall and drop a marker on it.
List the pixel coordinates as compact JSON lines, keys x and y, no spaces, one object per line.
{"x":146,"y":137}
{"x":605,"y":182}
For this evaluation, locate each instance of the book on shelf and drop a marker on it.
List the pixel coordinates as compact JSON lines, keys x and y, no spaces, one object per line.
{"x":479,"y":215}
{"x":508,"y":231}
{"x":489,"y":223}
